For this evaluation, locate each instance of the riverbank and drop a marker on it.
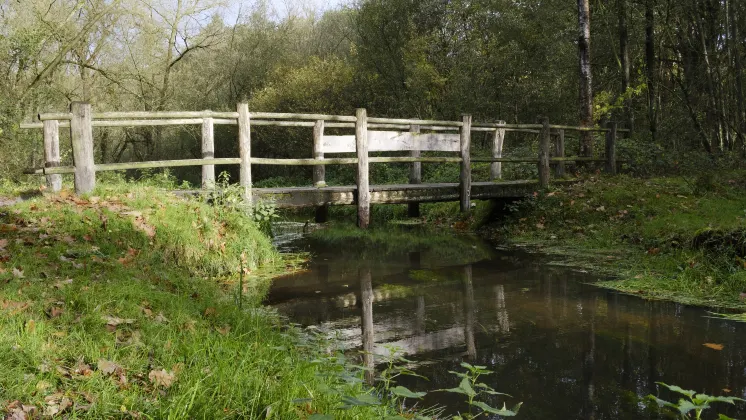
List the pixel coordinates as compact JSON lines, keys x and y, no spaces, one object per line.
{"x":126,"y":303}
{"x":673,"y":238}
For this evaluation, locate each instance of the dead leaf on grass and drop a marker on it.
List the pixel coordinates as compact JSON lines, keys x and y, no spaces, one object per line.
{"x":17,"y":273}
{"x":162,"y":378}
{"x":108,"y":367}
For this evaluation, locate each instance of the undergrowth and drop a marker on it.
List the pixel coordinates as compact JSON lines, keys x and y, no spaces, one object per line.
{"x":121,"y":304}
{"x":678,"y":238}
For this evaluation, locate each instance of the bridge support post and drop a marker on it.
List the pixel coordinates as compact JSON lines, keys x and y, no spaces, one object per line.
{"x":52,"y":153}
{"x":465,"y":178}
{"x":361,"y":147}
{"x":544,"y":141}
{"x":496,"y":168}
{"x":559,"y":151}
{"x":611,"y":149}
{"x":208,"y":152}
{"x":81,"y":133}
{"x":415,"y":172}
{"x":319,"y":171}
{"x":244,"y":151}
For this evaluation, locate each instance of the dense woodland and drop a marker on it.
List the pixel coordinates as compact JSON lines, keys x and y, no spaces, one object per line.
{"x":671,"y":70}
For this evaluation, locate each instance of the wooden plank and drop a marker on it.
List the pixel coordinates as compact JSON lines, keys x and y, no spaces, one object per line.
{"x":544,"y":141}
{"x":496,"y":169}
{"x":415,"y":171}
{"x":396,"y":194}
{"x":81,"y":133}
{"x":244,"y":150}
{"x":312,"y":117}
{"x":166,"y":164}
{"x":611,"y":149}
{"x":465,"y":177}
{"x":383,"y":141}
{"x":208,"y":152}
{"x":55,"y":116}
{"x":132,"y":115}
{"x":147,"y":123}
{"x":52,"y":153}
{"x":361,"y":148}
{"x":414,"y":121}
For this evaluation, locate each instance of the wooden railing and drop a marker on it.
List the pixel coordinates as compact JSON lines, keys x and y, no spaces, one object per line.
{"x":410,"y":135}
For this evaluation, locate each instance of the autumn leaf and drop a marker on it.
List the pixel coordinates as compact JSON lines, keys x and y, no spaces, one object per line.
{"x":108,"y":367}
{"x":162,"y":378}
{"x":55,"y":312}
{"x":17,"y":273}
{"x":713,"y":346}
{"x":3,"y":244}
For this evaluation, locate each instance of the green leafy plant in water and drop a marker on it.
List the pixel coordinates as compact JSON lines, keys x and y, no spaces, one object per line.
{"x":473,"y":389}
{"x":694,"y":404}
{"x":396,"y":366}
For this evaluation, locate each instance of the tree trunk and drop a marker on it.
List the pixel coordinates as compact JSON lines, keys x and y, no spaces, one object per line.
{"x":740,"y":118}
{"x":650,"y":65}
{"x":624,"y":53}
{"x":586,"y":88}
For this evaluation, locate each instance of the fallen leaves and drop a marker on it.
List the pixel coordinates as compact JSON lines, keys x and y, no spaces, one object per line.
{"x":162,"y":378}
{"x":113,"y":322}
{"x":713,"y":346}
{"x":18,"y":273}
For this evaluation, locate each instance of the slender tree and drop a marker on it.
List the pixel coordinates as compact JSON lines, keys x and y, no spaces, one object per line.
{"x":586,"y":86}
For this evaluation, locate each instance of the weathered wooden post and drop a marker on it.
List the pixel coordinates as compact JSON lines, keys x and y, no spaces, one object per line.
{"x":544,"y":141}
{"x":319,"y":171}
{"x":208,"y":152}
{"x":244,"y":151}
{"x":415,"y":172}
{"x":559,"y":151}
{"x":496,"y":168}
{"x":361,"y":147}
{"x":465,"y":178}
{"x":611,"y":149}
{"x":81,"y":133}
{"x":52,"y":153}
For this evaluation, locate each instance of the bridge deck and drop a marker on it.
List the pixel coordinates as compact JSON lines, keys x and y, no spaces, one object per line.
{"x":395,"y":193}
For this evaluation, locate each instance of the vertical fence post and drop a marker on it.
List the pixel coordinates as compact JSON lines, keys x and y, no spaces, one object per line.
{"x":496,"y":168}
{"x":559,"y":151}
{"x":319,"y":171}
{"x":415,"y":172}
{"x":208,"y":152}
{"x":244,"y":151}
{"x":81,"y":133}
{"x":465,"y":178}
{"x":544,"y":141}
{"x":361,"y":147}
{"x":611,"y":149}
{"x":52,"y":153}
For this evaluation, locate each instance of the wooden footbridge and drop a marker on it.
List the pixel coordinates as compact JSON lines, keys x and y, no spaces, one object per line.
{"x":370,"y":135}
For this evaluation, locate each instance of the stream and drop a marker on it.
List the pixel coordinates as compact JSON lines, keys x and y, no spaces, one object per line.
{"x":563,"y":347}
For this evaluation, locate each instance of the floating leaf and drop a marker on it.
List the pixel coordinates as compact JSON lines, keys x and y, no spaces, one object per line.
{"x":713,"y":346}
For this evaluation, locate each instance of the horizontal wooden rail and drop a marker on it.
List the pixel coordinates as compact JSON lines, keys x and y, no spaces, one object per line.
{"x":415,"y":122}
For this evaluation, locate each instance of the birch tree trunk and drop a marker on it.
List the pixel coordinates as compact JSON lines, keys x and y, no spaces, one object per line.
{"x":586,"y":87}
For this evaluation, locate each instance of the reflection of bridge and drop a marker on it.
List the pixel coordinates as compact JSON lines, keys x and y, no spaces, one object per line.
{"x":412,"y":136}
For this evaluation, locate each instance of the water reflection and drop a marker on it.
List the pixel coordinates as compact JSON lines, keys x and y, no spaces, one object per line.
{"x":566,"y":349}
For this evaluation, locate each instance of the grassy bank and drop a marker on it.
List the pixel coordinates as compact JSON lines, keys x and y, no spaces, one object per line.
{"x":677,"y":238}
{"x":125,"y":304}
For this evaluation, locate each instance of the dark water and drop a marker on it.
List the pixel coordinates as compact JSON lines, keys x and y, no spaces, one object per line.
{"x":566,"y":349}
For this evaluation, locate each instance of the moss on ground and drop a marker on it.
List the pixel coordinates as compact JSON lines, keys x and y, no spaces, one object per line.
{"x":646,"y":232}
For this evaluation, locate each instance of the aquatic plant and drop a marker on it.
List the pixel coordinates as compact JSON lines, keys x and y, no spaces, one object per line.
{"x":473,"y":389}
{"x":694,"y":404}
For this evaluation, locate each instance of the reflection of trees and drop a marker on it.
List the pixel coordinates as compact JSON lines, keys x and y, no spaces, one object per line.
{"x":471,"y":347}
{"x":366,"y":320}
{"x":503,"y":323}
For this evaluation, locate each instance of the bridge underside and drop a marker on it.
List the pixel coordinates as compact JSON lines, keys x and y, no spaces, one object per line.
{"x":394,"y":194}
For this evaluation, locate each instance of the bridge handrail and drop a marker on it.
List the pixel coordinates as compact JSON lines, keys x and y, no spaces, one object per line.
{"x":407,"y":137}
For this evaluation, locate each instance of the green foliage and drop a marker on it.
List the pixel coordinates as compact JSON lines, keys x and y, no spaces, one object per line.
{"x":692,"y":406}
{"x":472,"y":389}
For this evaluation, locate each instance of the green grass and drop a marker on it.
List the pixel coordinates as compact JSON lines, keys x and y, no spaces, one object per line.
{"x":647,"y":232}
{"x":124,"y":304}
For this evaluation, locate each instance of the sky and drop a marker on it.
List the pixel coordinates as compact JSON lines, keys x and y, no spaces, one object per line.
{"x":283,"y":8}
